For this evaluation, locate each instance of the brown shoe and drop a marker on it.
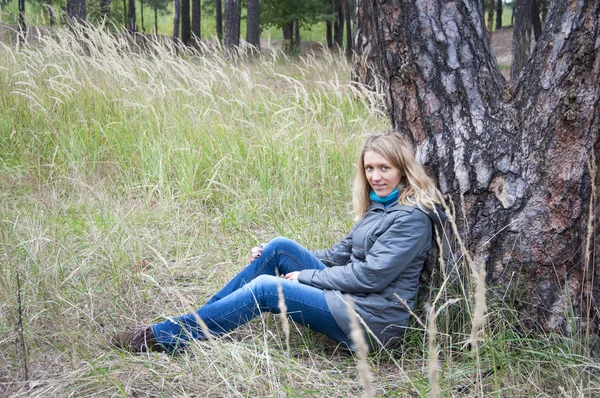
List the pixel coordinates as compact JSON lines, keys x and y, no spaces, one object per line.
{"x":138,"y":340}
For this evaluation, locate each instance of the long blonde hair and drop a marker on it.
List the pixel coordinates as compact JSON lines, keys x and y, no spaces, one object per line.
{"x":416,"y":188}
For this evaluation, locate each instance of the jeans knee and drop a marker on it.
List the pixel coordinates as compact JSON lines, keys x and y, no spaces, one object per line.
{"x":280,"y":243}
{"x":263,"y":287}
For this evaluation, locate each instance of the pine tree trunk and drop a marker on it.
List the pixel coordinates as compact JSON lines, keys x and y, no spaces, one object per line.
{"x":131,"y":18}
{"x":232,"y":24}
{"x":521,"y":46}
{"x":348,"y":29}
{"x":76,"y":11}
{"x":186,"y":28}
{"x":490,"y":24}
{"x":176,"y":19}
{"x":498,"y":14}
{"x":22,"y":24}
{"x":142,"y":15}
{"x":521,"y":163}
{"x":535,"y":20}
{"x":297,"y":35}
{"x":338,"y":25}
{"x":156,"y":17}
{"x":196,"y":18}
{"x":219,"y":19}
{"x":366,"y":46}
{"x":253,"y":24}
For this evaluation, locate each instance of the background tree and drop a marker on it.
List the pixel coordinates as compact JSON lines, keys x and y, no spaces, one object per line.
{"x":498,"y":14}
{"x":76,"y":11}
{"x":131,"y":17}
{"x":348,"y":29}
{"x":521,"y":46}
{"x":535,"y":20}
{"x":253,"y":23}
{"x":219,"y":19}
{"x":176,"y":19}
{"x":519,"y":162}
{"x":186,"y":27}
{"x":232,"y":24}
{"x":366,"y":45}
{"x":338,"y":24}
{"x":196,"y":18}
{"x":22,"y":24}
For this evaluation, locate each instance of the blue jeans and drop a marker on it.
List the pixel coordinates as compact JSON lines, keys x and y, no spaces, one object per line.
{"x":253,"y":291}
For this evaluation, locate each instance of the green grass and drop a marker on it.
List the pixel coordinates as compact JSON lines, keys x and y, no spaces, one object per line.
{"x":132,"y":186}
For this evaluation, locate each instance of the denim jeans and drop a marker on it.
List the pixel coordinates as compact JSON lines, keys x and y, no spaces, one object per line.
{"x":253,"y":291}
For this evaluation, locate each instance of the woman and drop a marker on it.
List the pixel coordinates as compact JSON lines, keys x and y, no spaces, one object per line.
{"x":378,"y":264}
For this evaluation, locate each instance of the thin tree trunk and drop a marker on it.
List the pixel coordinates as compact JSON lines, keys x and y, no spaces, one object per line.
{"x":498,"y":14}
{"x":287,"y":31}
{"x":329,"y":34}
{"x":131,"y":17}
{"x":142,"y":15}
{"x":253,"y":24}
{"x":338,"y":25}
{"x":176,"y":19}
{"x":521,"y":45}
{"x":348,"y":30}
{"x":519,"y":164}
{"x":22,"y":24}
{"x":156,"y":17}
{"x":219,"y":19}
{"x":297,"y":35}
{"x":490,"y":24}
{"x":196,"y":18}
{"x":186,"y":28}
{"x":232,"y":24}
{"x":535,"y":20}
{"x":125,"y":13}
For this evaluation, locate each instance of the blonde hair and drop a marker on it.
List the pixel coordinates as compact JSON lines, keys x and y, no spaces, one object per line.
{"x":416,"y":188}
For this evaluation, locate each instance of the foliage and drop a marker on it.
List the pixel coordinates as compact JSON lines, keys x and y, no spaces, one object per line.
{"x":281,"y":13}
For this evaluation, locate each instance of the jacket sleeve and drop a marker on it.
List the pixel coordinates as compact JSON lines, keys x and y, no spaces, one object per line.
{"x":392,"y":253}
{"x":339,"y":254}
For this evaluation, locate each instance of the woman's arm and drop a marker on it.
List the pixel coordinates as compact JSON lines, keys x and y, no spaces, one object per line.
{"x":393,"y":252}
{"x":339,"y":254}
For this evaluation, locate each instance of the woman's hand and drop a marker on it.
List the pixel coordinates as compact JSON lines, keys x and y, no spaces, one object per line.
{"x":256,"y":252}
{"x":292,"y":276}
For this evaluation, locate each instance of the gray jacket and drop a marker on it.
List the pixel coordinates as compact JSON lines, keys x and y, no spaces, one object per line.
{"x":381,"y":257}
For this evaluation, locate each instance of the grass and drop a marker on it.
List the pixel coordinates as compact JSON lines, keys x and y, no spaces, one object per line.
{"x":132,"y":185}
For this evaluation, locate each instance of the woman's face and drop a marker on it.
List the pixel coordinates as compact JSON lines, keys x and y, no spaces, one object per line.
{"x":381,"y":175}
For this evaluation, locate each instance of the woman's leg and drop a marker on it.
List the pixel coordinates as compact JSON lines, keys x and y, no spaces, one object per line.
{"x":305,"y":305}
{"x":281,"y":255}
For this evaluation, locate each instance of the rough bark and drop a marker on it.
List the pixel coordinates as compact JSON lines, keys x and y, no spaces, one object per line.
{"x":131,"y":18}
{"x":186,"y":26}
{"x":338,"y":25}
{"x":232,"y":24}
{"x":498,"y":14}
{"x":535,"y":20}
{"x":76,"y":11}
{"x":196,"y":18}
{"x":518,"y":161}
{"x":521,"y":46}
{"x":176,"y":19}
{"x":366,"y":47}
{"x":253,"y":24}
{"x":219,"y":19}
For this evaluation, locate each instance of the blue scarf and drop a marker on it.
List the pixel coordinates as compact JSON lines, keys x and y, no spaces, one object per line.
{"x":388,"y":200}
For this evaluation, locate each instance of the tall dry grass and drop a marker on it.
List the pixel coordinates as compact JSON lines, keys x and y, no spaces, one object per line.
{"x":134,"y":180}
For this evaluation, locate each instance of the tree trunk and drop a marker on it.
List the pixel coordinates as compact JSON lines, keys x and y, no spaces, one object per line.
{"x":22,"y":24}
{"x":329,"y":34}
{"x":521,"y":165}
{"x":232,"y":24}
{"x":490,"y":24}
{"x":535,"y":20}
{"x":131,"y":17}
{"x":366,"y":46}
{"x":76,"y":11}
{"x":196,"y":18}
{"x":186,"y":27}
{"x":104,"y":9}
{"x":498,"y":14}
{"x":253,"y":24}
{"x":156,"y":17}
{"x":176,"y":19}
{"x":142,"y":15}
{"x":338,"y":25}
{"x":219,"y":19}
{"x":348,"y":30}
{"x":521,"y":45}
{"x":297,"y":35}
